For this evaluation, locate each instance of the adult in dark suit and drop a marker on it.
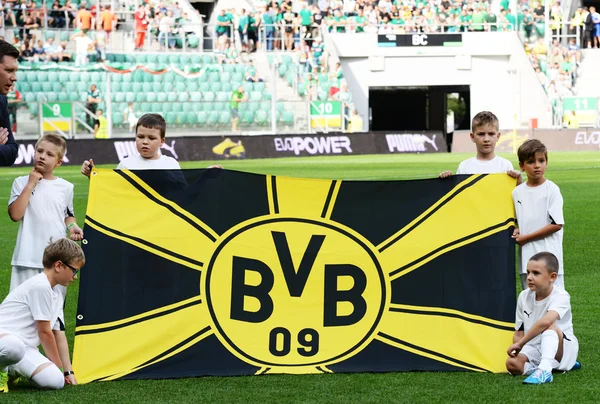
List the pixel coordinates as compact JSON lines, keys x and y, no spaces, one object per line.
{"x":8,"y":76}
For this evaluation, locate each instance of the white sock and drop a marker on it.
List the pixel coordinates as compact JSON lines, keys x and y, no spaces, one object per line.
{"x":528,"y":369}
{"x":548,"y":349}
{"x":12,"y":350}
{"x":49,"y":378}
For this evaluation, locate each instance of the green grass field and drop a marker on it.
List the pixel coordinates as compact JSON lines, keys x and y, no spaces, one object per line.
{"x":577,"y":174}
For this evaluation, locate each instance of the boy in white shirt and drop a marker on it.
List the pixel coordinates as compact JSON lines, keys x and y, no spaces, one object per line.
{"x":150,"y":132}
{"x":43,"y":204}
{"x":485,"y":134}
{"x":29,"y":316}
{"x":539,"y":210}
{"x":544,"y":338}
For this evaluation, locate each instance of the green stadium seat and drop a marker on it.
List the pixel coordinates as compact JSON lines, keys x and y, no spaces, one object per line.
{"x":208,"y":96}
{"x":42,"y":76}
{"x":192,"y":86}
{"x":181,"y":118}
{"x":265,"y":106}
{"x":49,"y":34}
{"x":204,"y":87}
{"x":202,"y":116}
{"x":63,"y":77}
{"x":82,"y":87}
{"x":177,"y":107}
{"x":195,"y":97}
{"x":226,"y":87}
{"x":214,"y":77}
{"x":126,"y":87}
{"x":248,"y":117}
{"x":141,"y":58}
{"x":85,"y":77}
{"x":171,"y":118}
{"x":56,"y":86}
{"x":323,"y":95}
{"x":30,"y":97}
{"x":183,"y":97}
{"x":220,"y":106}
{"x":139,"y":97}
{"x":286,"y":60}
{"x":46,"y":87}
{"x":229,"y":68}
{"x":23,"y":87}
{"x":208,"y":59}
{"x":33,"y":109}
{"x":237,"y":77}
{"x":267,"y":96}
{"x":83,"y":97}
{"x":224,"y":117}
{"x":136,"y":87}
{"x":168,"y":86}
{"x":161,"y":97}
{"x":117,"y":119}
{"x":163,"y":59}
{"x":184,"y":60}
{"x":146,"y":107}
{"x":196,"y":59}
{"x":174,"y":59}
{"x":261,"y":117}
{"x":147,"y":87}
{"x":255,"y":96}
{"x":95,"y":77}
{"x":207,"y":106}
{"x":187,"y":107}
{"x":114,"y":77}
{"x":171,"y":97}
{"x":157,"y":78}
{"x":150,"y":97}
{"x":166,"y":107}
{"x":36,"y":87}
{"x":253,"y":106}
{"x":180,"y":87}
{"x":63,"y":96}
{"x":50,"y":96}
{"x":288,"y":117}
{"x":73,"y":96}
{"x":213,"y":117}
{"x":65,"y":36}
{"x":223,"y":96}
{"x":152,"y":58}
{"x":240,"y":68}
{"x":191,"y":118}
{"x":260,"y":86}
{"x":215,"y":86}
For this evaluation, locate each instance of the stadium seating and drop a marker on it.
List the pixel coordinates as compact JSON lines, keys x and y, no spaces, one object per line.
{"x":195,"y":101}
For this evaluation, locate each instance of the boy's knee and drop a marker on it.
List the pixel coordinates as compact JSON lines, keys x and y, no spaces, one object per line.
{"x":49,"y":377}
{"x":514,"y":366}
{"x":12,"y":349}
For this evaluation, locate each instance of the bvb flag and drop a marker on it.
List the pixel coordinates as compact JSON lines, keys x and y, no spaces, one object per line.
{"x":216,"y":272}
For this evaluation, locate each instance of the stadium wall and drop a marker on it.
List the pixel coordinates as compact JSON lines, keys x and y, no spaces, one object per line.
{"x":493,"y":64}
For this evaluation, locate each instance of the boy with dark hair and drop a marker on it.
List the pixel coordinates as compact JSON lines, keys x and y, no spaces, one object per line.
{"x":485,"y":134}
{"x":150,"y":133}
{"x":543,"y":338}
{"x":539,"y":210}
{"x":30,"y":316}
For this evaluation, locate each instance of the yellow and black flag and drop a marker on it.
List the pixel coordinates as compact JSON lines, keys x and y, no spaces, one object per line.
{"x":216,"y":272}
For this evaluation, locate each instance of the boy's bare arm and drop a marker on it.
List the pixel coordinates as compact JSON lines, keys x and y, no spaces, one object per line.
{"x":63,"y":352}
{"x":75,"y":232}
{"x":48,"y":342}
{"x":539,"y":327}
{"x":16,"y":210}
{"x":542,"y":233}
{"x":517,"y":336}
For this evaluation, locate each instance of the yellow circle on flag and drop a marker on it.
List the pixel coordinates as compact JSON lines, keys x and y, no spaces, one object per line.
{"x":294,"y":292}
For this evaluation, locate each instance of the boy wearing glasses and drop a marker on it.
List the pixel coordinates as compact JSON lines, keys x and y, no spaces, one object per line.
{"x":30,"y":316}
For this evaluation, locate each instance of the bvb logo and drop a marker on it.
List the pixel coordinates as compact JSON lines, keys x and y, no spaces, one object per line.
{"x":294,"y":292}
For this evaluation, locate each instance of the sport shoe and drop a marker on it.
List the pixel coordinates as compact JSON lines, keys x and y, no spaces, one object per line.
{"x":539,"y":377}
{"x":4,"y":382}
{"x":576,"y":366}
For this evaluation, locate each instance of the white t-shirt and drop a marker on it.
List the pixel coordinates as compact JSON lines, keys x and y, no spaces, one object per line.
{"x":535,"y":208}
{"x":131,"y":118}
{"x":529,"y":311}
{"x":474,"y":166}
{"x":82,"y":44}
{"x":44,"y":220}
{"x":137,"y":162}
{"x":34,"y":300}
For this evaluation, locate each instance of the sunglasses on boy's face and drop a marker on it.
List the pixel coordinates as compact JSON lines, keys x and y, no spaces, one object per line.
{"x":75,"y":270}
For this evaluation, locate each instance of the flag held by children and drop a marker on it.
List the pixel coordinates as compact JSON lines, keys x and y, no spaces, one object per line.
{"x":216,"y":272}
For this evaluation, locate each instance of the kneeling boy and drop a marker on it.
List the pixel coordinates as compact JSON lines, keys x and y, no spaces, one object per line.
{"x":30,"y":315}
{"x":544,"y":338}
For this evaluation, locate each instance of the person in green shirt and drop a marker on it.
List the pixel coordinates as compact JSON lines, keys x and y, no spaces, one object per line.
{"x":306,"y":16}
{"x":224,"y":24}
{"x":492,"y":20}
{"x":243,"y":23}
{"x":360,"y":21}
{"x":478,"y":20}
{"x":465,"y":19}
{"x":339,"y":22}
{"x":512,"y":20}
{"x":236,"y":98}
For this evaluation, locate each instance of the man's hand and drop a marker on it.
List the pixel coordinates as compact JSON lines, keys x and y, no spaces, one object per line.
{"x":215,"y":166}
{"x":446,"y":174}
{"x":34,"y":177}
{"x":3,"y":135}
{"x":514,"y":350}
{"x":75,"y":233}
{"x":86,"y":167}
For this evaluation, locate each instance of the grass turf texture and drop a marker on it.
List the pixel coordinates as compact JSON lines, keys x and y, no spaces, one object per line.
{"x":578,"y":176}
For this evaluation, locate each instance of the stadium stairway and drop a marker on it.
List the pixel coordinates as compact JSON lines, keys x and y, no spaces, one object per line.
{"x":588,"y":83}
